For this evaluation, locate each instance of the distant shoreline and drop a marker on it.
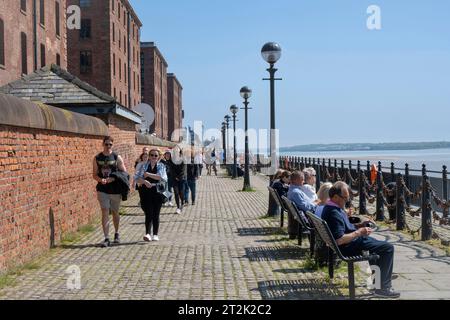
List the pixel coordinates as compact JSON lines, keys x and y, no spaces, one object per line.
{"x":350,"y":147}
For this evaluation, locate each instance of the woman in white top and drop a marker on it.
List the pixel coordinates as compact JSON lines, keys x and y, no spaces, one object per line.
{"x":309,"y":186}
{"x":324,"y":196}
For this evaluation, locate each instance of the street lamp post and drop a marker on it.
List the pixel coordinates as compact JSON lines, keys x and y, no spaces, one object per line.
{"x":246,"y":93}
{"x":223,"y":143}
{"x":271,"y":53}
{"x":227,"y":126}
{"x":234,"y":110}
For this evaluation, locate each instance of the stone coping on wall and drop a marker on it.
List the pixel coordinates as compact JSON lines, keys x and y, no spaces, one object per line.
{"x":23,"y":113}
{"x":146,"y":139}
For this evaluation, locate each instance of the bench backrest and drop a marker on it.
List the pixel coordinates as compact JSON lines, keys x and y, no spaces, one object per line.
{"x":298,"y":215}
{"x":276,"y":197}
{"x":324,"y":232}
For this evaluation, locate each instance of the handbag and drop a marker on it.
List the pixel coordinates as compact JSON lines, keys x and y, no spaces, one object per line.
{"x":161,"y":188}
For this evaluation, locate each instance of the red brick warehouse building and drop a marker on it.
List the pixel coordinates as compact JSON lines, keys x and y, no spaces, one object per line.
{"x":154,"y":86}
{"x":175,"y":106}
{"x":32,"y":35}
{"x":105,"y":52}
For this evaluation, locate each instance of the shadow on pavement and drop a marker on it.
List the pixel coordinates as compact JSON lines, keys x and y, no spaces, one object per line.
{"x":308,"y":289}
{"x":275,"y":253}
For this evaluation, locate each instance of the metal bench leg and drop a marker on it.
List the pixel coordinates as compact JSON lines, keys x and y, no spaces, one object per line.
{"x":312,"y":241}
{"x":330,"y":263}
{"x":282,"y":218}
{"x":300,"y":234}
{"x":351,"y":280}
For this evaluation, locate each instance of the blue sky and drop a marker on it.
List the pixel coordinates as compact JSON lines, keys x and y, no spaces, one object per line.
{"x":341,"y":82}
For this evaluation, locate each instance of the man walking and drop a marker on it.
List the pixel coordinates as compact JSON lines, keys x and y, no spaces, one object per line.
{"x":108,"y":192}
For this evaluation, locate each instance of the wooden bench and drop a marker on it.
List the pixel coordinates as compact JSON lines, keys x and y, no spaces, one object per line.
{"x":276,"y":197}
{"x":304,"y":225}
{"x":325,"y":234}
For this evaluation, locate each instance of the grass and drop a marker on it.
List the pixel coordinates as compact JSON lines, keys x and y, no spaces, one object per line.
{"x":10,"y":278}
{"x":72,"y":237}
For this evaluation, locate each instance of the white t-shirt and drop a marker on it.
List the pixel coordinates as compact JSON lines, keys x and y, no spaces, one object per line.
{"x":198,"y":159}
{"x":310,"y":192}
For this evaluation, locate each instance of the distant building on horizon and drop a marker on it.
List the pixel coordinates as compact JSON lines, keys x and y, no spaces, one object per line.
{"x":32,"y":35}
{"x":105,"y":52}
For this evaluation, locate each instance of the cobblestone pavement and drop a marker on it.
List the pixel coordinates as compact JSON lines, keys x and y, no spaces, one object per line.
{"x":221,"y":248}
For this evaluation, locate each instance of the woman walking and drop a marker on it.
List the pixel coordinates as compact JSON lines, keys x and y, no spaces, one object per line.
{"x":151,"y":199}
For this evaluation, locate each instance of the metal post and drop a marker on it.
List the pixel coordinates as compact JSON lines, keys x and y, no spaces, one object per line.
{"x":247,"y":185}
{"x":362,"y":194}
{"x":235,"y":175}
{"x":406,"y":179}
{"x":392,"y":172}
{"x":318,"y":175}
{"x":380,"y":199}
{"x":368,"y":171}
{"x":400,"y":218}
{"x":427,"y":225}
{"x":445,"y":188}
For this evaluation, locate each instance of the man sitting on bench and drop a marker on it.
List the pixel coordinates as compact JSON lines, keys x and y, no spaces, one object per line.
{"x":296,"y":195}
{"x":353,"y":241}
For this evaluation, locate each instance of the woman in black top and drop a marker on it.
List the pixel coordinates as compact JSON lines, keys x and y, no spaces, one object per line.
{"x":282,"y":186}
{"x":151,"y":200}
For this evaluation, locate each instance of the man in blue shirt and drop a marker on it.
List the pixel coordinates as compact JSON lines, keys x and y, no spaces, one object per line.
{"x":301,"y":200}
{"x":352,"y":240}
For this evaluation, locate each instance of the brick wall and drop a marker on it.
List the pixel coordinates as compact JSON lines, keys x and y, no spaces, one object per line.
{"x":43,"y":173}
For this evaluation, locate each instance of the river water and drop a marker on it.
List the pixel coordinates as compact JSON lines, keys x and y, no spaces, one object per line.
{"x":433,"y":158}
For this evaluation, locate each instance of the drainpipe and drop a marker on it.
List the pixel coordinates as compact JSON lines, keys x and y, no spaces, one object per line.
{"x":35,"y":50}
{"x":129,"y":63}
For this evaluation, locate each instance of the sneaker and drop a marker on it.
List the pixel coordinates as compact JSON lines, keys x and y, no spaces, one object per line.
{"x":171,"y":204}
{"x":155,"y":238}
{"x":116,"y":238}
{"x":394,"y":276}
{"x":106,"y":243}
{"x":147,"y":238}
{"x":387,"y":293}
{"x":178,"y":211}
{"x":193,"y":203}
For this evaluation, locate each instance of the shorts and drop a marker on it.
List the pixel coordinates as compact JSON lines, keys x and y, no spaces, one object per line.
{"x":109,"y":201}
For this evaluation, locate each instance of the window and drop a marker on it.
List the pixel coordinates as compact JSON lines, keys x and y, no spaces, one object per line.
{"x":125,"y":44}
{"x":23,"y":5}
{"x":124,"y":18}
{"x":114,"y":32}
{"x":58,"y":60}
{"x":120,"y":41}
{"x":85,"y":62}
{"x":23,"y":49}
{"x":85,"y":3}
{"x":112,"y":4}
{"x":42,"y":12}
{"x":58,"y":29}
{"x":118,"y":11}
{"x":120,"y":69}
{"x":85,"y":31}
{"x":2,"y":42}
{"x":125,"y":72}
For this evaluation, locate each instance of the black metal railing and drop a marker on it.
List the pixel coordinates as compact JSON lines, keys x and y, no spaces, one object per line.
{"x":400,"y":190}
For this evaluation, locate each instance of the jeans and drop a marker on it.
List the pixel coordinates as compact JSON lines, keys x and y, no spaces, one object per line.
{"x":382,"y":248}
{"x":190,"y":185}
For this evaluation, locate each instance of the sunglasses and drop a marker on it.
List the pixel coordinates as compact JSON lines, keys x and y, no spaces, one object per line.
{"x":154,"y":155}
{"x":108,"y":144}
